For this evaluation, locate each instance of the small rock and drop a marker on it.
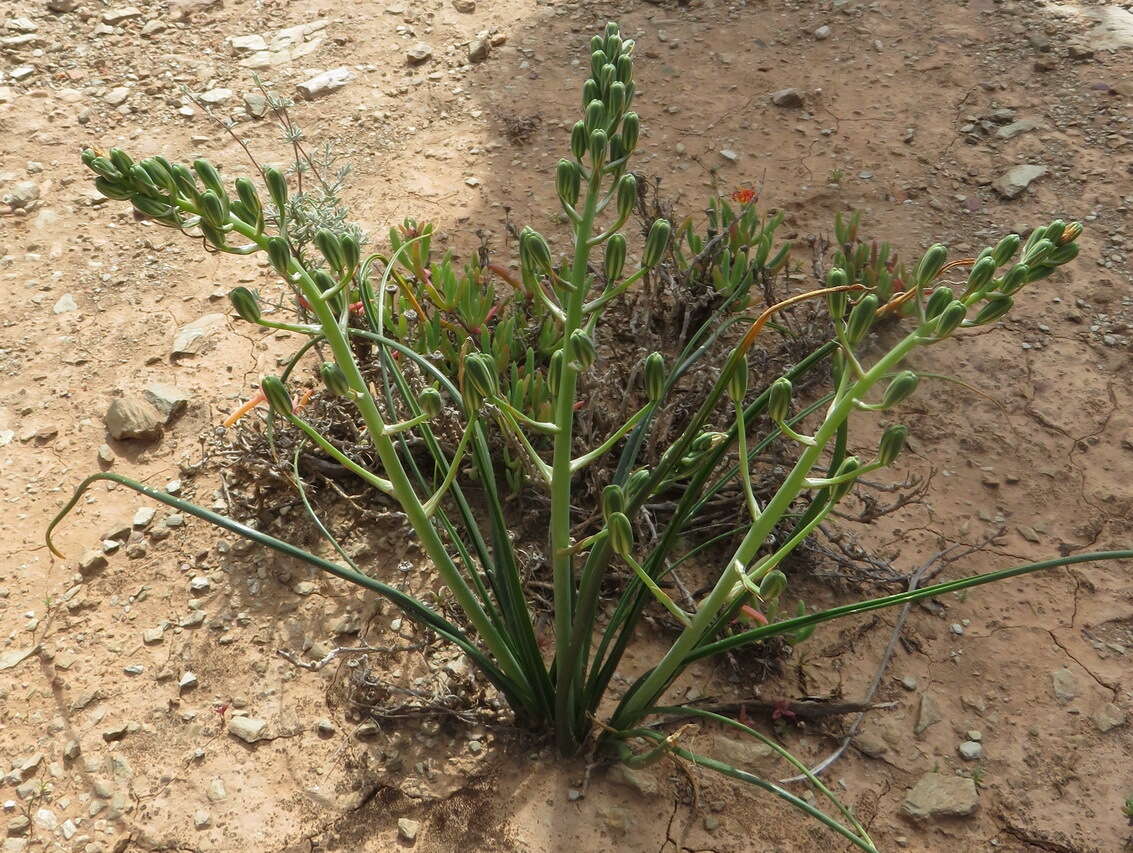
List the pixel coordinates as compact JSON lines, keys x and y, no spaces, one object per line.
{"x":116,"y":96}
{"x":478,"y":49}
{"x":106,"y":455}
{"x":970,"y":750}
{"x":466,"y":7}
{"x":188,"y":681}
{"x":325,"y":728}
{"x":200,"y":584}
{"x":407,"y":829}
{"x":143,"y":517}
{"x":1014,"y":182}
{"x":248,"y":44}
{"x":639,"y":780}
{"x":194,"y":337}
{"x":1010,"y":131}
{"x":65,"y":305}
{"x":909,"y":682}
{"x":92,"y":561}
{"x":729,"y":155}
{"x":1065,"y":685}
{"x":247,"y":729}
{"x":45,"y":819}
{"x":325,"y":83}
{"x":174,"y":520}
{"x":18,"y":826}
{"x":214,"y":97}
{"x":787,"y":98}
{"x":256,"y":104}
{"x":215,"y":791}
{"x":1110,"y":716}
{"x":201,"y":819}
{"x":418,"y":53}
{"x":167,"y":399}
{"x":22,"y":195}
{"x":367,"y":730}
{"x":113,"y":17}
{"x":133,"y":417}
{"x":927,"y":714}
{"x":936,"y":795}
{"x":822,"y":33}
{"x":115,"y":732}
{"x":62,"y":6}
{"x":153,"y":636}
{"x":304,"y":588}
{"x":72,"y":750}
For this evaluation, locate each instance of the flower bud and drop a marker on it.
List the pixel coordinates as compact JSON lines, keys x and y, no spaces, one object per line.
{"x":613,"y":46}
{"x":940,"y":299}
{"x":579,"y":140}
{"x":102,"y":166}
{"x":1070,"y":233}
{"x":153,"y":208}
{"x":112,"y":189}
{"x":902,"y":385}
{"x":277,"y":188}
{"x":616,"y":97}
{"x":861,"y":318}
{"x":245,"y":303}
{"x":707,"y":441}
{"x":1005,"y":249}
{"x":209,"y":176}
{"x":246,"y":192}
{"x":950,"y":319}
{"x":777,"y":262}
{"x":595,"y":116}
{"x":533,"y":250}
{"x":351,"y":251}
{"x":737,"y":381}
{"x":773,"y":585}
{"x":1054,"y":231}
{"x":568,"y":181}
{"x":597,"y":59}
{"x":625,"y":68}
{"x":655,"y":376}
{"x":480,"y":370}
{"x":555,"y":371}
{"x":334,"y":379}
{"x":583,"y":351}
{"x":635,"y":482}
{"x":615,"y":258}
{"x":997,"y":305}
{"x":981,"y":275}
{"x":141,"y":180}
{"x":656,"y":243}
{"x":779,"y":399}
{"x":186,"y":183}
{"x":627,"y":195}
{"x":931,"y":264}
{"x":279,"y":253}
{"x":837,"y":301}
{"x":613,"y":500}
{"x":1037,"y":253}
{"x":212,"y":211}
{"x":621,"y":534}
{"x":277,"y":396}
{"x":598,"y":140}
{"x":849,"y":465}
{"x":1016,"y":277}
{"x":891,"y":444}
{"x":121,"y":161}
{"x":1062,"y":255}
{"x":331,"y":249}
{"x":597,"y":43}
{"x":631,"y":129}
{"x":430,"y":401}
{"x":606,"y":75}
{"x":1039,"y":272}
{"x":590,"y":92}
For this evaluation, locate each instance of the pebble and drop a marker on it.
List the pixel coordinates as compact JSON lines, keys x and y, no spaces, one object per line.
{"x":201,"y":819}
{"x":1064,"y":684}
{"x":822,"y":33}
{"x":325,"y":83}
{"x":133,"y":417}
{"x":216,"y":791}
{"x":971,"y":750}
{"x":144,"y":517}
{"x":213,"y":97}
{"x":1108,"y":717}
{"x":466,"y":7}
{"x":65,"y":305}
{"x":193,"y":338}
{"x":200,"y":584}
{"x":116,"y":96}
{"x":730,"y":155}
{"x":247,"y":729}
{"x":419,"y":53}
{"x":478,"y":49}
{"x":304,"y":588}
{"x":407,"y":829}
{"x":92,"y":561}
{"x":909,"y":683}
{"x":325,"y":728}
{"x":114,"y":17}
{"x":188,"y":681}
{"x":787,"y":98}
{"x":927,"y":714}
{"x":1014,"y":182}
{"x":937,"y":795}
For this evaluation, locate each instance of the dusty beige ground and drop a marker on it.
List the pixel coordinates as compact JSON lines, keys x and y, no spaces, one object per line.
{"x":889,"y":98}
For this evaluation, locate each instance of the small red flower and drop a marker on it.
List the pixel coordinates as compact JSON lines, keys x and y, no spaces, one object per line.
{"x":745,"y":196}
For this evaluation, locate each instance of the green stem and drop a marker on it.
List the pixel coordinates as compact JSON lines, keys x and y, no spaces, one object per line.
{"x":599,"y":451}
{"x":562,"y":562}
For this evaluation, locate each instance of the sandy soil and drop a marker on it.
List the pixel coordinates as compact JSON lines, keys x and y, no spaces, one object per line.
{"x":107,"y":751}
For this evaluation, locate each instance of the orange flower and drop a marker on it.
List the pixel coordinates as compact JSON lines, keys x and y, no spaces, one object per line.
{"x":745,"y":196}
